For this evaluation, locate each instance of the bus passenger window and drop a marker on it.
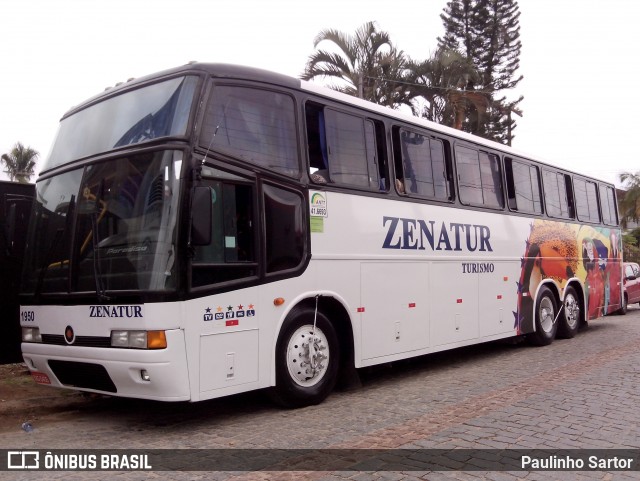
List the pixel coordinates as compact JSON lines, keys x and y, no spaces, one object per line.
{"x":285,"y":238}
{"x":586,"y":200}
{"x":316,"y":144}
{"x":479,"y":178}
{"x":608,"y":205}
{"x":555,"y":194}
{"x":256,"y":125}
{"x":372,"y":156}
{"x":523,"y":186}
{"x":421,"y":168}
{"x":342,"y":148}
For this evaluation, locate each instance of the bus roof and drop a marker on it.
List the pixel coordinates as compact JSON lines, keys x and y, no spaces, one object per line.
{"x":240,"y":72}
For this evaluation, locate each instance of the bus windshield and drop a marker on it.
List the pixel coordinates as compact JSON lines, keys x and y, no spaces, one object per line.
{"x":109,"y":226}
{"x":151,"y":112}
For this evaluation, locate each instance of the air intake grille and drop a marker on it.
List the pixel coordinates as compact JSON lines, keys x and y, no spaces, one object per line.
{"x":83,"y":341}
{"x":82,"y":375}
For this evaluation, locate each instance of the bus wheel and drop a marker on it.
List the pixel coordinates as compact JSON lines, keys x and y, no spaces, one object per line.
{"x":623,"y":308}
{"x":545,"y":317}
{"x":569,"y":321}
{"x":306,"y":360}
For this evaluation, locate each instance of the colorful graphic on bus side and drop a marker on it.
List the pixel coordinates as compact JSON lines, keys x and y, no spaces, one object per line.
{"x":561,"y":252}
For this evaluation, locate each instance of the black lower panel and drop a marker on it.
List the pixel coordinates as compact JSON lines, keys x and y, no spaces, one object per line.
{"x":83,"y":375}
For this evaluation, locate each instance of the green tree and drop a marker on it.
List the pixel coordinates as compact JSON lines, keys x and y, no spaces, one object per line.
{"x":441,"y":81}
{"x":20,"y":163}
{"x":630,"y":242}
{"x":630,"y":203}
{"x":391,"y":86}
{"x":463,"y":30}
{"x":367,"y":65}
{"x":488,"y":33}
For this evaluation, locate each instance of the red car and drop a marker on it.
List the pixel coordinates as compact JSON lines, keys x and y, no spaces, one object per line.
{"x":631,"y":285}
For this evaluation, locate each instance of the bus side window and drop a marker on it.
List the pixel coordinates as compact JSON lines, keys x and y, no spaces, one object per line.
{"x":342,"y":148}
{"x":377,"y":155}
{"x":346,"y":148}
{"x":231,"y":253}
{"x":586,"y":200}
{"x":608,"y":205}
{"x":397,"y":160}
{"x":557,"y":194}
{"x":479,"y":178}
{"x":256,"y":125}
{"x":285,"y":239}
{"x":421,"y":166}
{"x":317,"y":143}
{"x":570,"y":199}
{"x":523,"y":186}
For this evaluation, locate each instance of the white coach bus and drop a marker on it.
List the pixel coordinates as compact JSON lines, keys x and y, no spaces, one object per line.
{"x":215,"y":229}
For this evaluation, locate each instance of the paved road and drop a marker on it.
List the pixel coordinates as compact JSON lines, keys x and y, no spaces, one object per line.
{"x":579,"y":393}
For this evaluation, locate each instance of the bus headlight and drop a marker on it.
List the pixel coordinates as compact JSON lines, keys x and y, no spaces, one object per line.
{"x":31,"y":334}
{"x":139,"y":339}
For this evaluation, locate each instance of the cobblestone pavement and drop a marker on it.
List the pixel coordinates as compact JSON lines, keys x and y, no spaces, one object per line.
{"x":578,"y":393}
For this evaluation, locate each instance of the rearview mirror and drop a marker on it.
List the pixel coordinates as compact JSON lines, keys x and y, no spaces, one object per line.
{"x":201,"y":211}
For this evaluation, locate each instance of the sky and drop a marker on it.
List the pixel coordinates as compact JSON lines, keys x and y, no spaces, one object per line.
{"x":579,"y":60}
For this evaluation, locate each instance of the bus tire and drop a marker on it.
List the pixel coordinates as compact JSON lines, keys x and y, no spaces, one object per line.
{"x":546,"y":311}
{"x":623,"y":308}
{"x":571,"y":317}
{"x":300,"y":379}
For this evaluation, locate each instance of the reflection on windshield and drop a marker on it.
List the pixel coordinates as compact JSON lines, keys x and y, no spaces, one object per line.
{"x":54,"y":206}
{"x":151,"y":112}
{"x":107,"y":227}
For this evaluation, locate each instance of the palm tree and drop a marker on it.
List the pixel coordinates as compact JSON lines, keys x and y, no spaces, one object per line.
{"x":20,"y":163}
{"x":442,"y":81}
{"x":391,"y":85}
{"x":367,"y":65}
{"x":630,"y":203}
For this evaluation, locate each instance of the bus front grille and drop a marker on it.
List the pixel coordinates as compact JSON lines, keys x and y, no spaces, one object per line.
{"x":83,"y":341}
{"x":83,"y":375}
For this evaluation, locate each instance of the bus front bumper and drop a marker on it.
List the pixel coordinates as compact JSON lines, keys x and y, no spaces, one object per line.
{"x":160,"y":375}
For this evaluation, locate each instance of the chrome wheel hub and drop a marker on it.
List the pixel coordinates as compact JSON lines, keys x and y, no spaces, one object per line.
{"x":572,"y":311}
{"x":547,"y":315}
{"x":307,"y":356}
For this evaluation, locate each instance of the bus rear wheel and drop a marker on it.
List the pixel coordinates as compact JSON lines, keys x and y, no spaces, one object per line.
{"x":623,"y":308}
{"x":307,"y":359}
{"x":545,"y":319}
{"x":569,"y":321}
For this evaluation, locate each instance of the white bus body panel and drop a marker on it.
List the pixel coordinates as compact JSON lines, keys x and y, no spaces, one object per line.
{"x":416,"y":299}
{"x":405,"y":295}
